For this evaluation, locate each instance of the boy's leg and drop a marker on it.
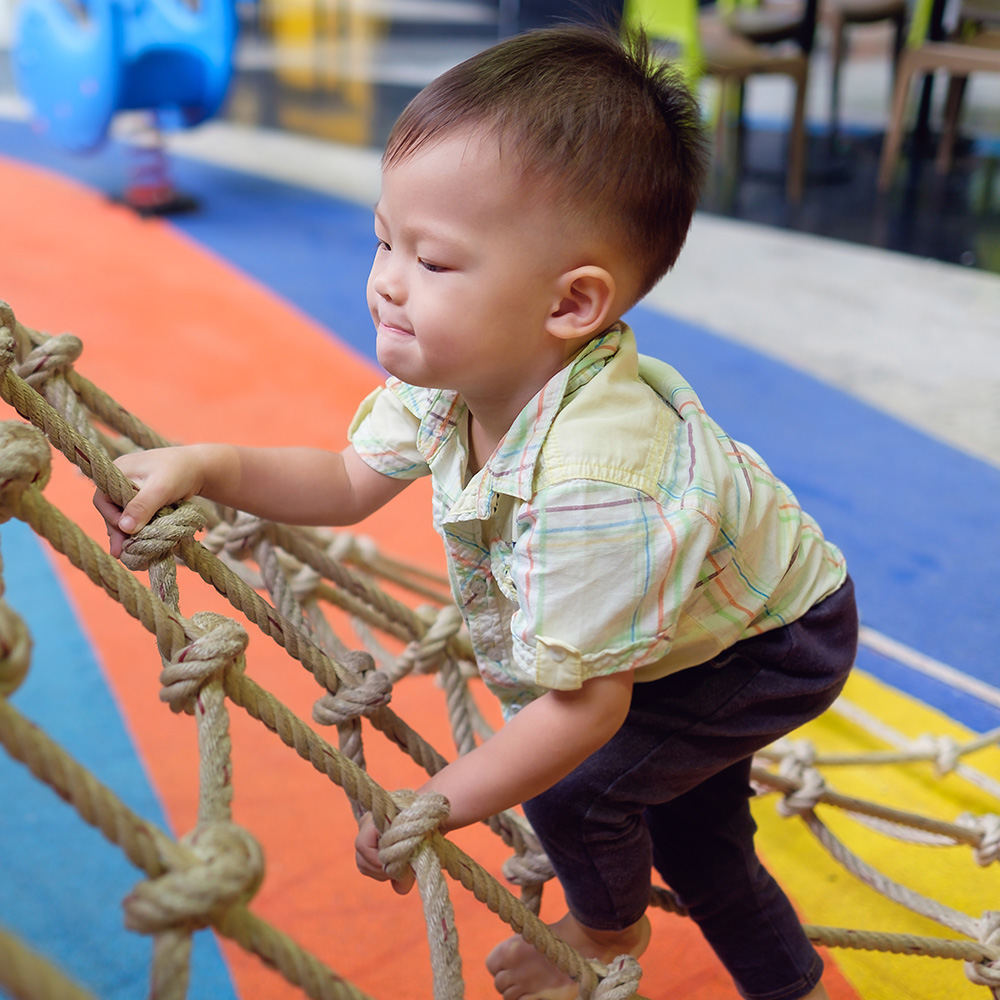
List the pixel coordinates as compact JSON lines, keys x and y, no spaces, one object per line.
{"x":703,"y":848}
{"x":680,"y":732}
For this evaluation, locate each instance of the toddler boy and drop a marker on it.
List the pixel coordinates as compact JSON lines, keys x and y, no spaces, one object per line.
{"x":646,"y":599}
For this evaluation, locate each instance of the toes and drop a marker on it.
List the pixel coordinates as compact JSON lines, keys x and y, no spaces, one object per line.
{"x":502,"y":956}
{"x":505,"y":984}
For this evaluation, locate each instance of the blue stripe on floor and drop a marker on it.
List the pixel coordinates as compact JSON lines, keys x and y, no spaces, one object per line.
{"x":910,"y":513}
{"x":50,"y":854}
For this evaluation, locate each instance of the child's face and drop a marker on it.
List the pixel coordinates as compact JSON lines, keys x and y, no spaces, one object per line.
{"x":465,"y":273}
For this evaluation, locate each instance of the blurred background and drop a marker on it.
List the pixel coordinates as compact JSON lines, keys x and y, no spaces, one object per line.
{"x":341,"y":70}
{"x":837,"y":306}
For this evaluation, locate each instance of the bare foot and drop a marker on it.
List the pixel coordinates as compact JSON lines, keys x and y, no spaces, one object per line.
{"x":521,"y":973}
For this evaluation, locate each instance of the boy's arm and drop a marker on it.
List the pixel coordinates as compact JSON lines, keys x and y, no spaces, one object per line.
{"x":546,"y":740}
{"x":294,"y":485}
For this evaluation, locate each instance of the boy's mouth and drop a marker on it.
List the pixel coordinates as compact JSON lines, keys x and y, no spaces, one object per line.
{"x":393,"y":328}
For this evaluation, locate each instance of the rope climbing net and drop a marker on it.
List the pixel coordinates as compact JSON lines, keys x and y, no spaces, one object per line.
{"x":208,"y":877}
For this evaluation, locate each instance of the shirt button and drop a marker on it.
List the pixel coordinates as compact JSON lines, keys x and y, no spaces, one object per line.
{"x":557,"y":654}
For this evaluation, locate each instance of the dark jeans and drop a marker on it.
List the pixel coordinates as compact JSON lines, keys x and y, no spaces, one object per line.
{"x":671,"y":789}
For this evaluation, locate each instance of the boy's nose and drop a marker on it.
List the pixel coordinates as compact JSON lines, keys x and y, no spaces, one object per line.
{"x":387,"y":283}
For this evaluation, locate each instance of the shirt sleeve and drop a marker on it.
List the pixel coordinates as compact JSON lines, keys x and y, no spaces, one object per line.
{"x":602,"y":574}
{"x":384,"y":434}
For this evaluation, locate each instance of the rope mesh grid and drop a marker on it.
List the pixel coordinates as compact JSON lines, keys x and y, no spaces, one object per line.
{"x":207,"y":878}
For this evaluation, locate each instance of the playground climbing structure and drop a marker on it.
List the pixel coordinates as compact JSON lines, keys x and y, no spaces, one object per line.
{"x":208,"y":877}
{"x":80,"y":66}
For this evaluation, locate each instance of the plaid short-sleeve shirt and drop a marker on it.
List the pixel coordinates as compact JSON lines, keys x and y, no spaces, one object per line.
{"x":616,"y":526}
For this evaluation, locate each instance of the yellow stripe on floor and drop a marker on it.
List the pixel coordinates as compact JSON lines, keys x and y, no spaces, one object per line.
{"x":825,"y":893}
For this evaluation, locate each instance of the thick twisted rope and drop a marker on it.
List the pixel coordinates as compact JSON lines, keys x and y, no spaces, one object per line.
{"x":147,"y":847}
{"x":25,"y":973}
{"x":954,"y":832}
{"x":407,"y":843}
{"x":904,"y":746}
{"x":170,"y":629}
{"x":94,"y":463}
{"x":46,"y":363}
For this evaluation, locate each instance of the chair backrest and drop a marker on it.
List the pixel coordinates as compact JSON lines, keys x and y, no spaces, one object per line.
{"x":672,"y":25}
{"x":728,"y":6}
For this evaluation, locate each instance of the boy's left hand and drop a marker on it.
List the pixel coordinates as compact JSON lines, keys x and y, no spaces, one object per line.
{"x":366,"y":856}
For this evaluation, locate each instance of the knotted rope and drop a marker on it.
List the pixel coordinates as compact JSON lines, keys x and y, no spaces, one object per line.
{"x":25,"y":973}
{"x":220,"y":646}
{"x":15,"y":645}
{"x":407,"y":843}
{"x":209,"y":876}
{"x":620,"y":980}
{"x":229,"y":870}
{"x":983,"y":972}
{"x":987,"y":829}
{"x":424,"y":654}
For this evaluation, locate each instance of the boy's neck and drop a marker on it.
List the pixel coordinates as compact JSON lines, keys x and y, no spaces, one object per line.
{"x":488,"y":425}
{"x":490,"y":418}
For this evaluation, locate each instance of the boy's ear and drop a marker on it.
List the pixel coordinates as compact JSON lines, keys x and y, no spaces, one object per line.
{"x":584,"y":300}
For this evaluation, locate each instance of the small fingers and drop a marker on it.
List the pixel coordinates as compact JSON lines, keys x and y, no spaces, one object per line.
{"x":137,"y":514}
{"x":367,"y":859}
{"x":403,"y":885}
{"x":111,"y":513}
{"x":366,"y":850}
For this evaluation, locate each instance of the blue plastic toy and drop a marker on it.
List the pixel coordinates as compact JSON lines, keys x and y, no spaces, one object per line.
{"x":78,"y":69}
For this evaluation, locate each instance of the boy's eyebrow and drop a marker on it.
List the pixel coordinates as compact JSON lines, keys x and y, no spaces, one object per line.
{"x":421,"y":232}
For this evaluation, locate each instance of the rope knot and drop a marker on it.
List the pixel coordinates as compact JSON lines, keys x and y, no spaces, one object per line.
{"x":15,"y":648}
{"x":25,"y":461}
{"x":621,"y":980}
{"x":364,"y":690}
{"x":48,"y":359}
{"x":805,"y":798}
{"x":203,"y":660}
{"x":158,"y":539}
{"x":8,"y":345}
{"x":305,"y":584}
{"x":419,"y":817}
{"x":423,"y":655}
{"x":797,"y":756}
{"x":988,"y":828}
{"x":987,"y":973}
{"x":244,"y":534}
{"x":358,"y":549}
{"x":528,"y":868}
{"x":229,"y":870}
{"x":943,"y":750}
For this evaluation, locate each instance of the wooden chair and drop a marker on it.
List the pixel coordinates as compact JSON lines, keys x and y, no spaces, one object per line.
{"x":767,"y":22}
{"x":840,"y":15}
{"x":703,"y":44}
{"x":975,"y":48}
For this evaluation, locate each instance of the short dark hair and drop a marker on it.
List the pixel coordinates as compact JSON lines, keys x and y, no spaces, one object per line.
{"x":612,"y":131}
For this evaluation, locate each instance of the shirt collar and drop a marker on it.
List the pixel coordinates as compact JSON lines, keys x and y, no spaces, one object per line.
{"x":510,"y":470}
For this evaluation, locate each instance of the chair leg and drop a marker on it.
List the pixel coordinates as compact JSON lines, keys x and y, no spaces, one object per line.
{"x":836,"y":59}
{"x":952,"y":107}
{"x":894,"y":132}
{"x":722,"y":119}
{"x":740,"y":141}
{"x":795,"y":183}
{"x":898,"y":42}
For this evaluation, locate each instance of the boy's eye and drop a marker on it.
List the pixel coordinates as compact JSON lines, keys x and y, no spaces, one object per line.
{"x":381,"y":245}
{"x":433,"y":268}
